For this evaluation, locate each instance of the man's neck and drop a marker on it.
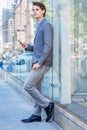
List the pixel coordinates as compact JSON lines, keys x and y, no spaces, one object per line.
{"x":39,"y":20}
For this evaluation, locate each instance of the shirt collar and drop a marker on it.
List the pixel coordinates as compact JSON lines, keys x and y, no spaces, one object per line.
{"x":40,"y":21}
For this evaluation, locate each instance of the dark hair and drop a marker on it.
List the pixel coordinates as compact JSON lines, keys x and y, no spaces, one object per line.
{"x":41,"y":5}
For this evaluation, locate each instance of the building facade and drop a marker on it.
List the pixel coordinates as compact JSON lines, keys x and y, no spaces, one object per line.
{"x":6,"y":16}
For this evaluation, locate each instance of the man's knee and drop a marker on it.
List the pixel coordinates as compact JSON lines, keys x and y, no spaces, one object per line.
{"x":27,"y":87}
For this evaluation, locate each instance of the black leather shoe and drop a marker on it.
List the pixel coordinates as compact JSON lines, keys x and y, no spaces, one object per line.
{"x":49,"y":111}
{"x":33,"y":118}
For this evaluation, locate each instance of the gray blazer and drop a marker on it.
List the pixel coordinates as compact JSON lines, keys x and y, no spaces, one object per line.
{"x":43,"y":44}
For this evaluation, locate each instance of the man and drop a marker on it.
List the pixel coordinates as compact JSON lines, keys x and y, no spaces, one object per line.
{"x":41,"y":63}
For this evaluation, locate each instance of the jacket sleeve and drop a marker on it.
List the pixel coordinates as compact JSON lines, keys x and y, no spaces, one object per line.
{"x":30,"y":47}
{"x":48,"y":43}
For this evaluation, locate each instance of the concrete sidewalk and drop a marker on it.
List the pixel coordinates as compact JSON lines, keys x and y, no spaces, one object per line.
{"x":14,"y":107}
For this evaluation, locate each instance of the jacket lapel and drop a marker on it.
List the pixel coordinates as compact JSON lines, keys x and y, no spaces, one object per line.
{"x":39,"y":26}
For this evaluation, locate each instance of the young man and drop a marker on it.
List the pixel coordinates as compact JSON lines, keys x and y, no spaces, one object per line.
{"x":41,"y":63}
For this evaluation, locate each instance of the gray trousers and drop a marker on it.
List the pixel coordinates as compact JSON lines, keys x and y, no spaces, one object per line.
{"x":33,"y":86}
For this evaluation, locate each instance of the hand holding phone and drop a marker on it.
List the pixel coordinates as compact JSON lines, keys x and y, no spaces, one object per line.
{"x":24,"y":45}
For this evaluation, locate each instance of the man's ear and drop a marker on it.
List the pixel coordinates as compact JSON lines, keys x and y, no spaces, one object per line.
{"x":43,"y":11}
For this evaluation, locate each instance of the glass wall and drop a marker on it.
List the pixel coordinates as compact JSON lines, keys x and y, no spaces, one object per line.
{"x":79,"y":46}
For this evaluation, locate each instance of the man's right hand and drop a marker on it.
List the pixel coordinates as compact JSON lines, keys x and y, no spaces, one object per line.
{"x":24,"y":45}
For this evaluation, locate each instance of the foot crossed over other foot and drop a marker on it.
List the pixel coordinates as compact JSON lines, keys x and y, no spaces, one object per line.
{"x":35,"y":118}
{"x":49,"y":111}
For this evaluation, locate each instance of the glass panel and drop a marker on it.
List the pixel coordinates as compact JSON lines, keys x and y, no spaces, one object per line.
{"x":79,"y":53}
{"x":57,"y":51}
{"x":47,"y":81}
{"x":51,"y":85}
{"x":17,"y":24}
{"x":79,"y":58}
{"x":25,"y":33}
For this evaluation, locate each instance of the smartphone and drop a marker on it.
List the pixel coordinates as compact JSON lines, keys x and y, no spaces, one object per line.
{"x":19,"y":41}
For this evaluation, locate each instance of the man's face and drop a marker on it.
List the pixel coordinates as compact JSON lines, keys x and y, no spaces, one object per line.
{"x":37,"y":12}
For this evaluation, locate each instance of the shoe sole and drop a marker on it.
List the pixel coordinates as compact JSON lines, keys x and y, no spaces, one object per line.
{"x":31,"y":121}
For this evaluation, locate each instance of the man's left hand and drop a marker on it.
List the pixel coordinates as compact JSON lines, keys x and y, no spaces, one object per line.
{"x":36,"y":66}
